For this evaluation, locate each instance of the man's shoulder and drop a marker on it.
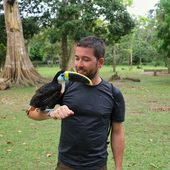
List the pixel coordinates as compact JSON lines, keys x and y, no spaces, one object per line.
{"x":112,"y":87}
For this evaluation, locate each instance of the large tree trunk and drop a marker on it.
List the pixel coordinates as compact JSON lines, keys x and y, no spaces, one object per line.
{"x":28,"y":46}
{"x":18,"y":66}
{"x":64,"y":52}
{"x":70,"y":64}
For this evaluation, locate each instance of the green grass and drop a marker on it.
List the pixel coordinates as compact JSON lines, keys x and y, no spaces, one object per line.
{"x":25,"y":143}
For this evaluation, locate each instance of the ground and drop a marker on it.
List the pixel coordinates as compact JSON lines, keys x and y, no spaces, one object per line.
{"x":163,"y":73}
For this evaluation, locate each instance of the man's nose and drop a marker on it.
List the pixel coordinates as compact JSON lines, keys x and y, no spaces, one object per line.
{"x":79,"y":63}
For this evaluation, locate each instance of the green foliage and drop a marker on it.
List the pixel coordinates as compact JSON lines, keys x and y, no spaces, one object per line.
{"x":143,"y":41}
{"x":119,"y":20}
{"x":51,"y":50}
{"x":127,"y":2}
{"x":36,"y":53}
{"x":108,"y":56}
{"x":164,"y":30}
{"x":3,"y":39}
{"x":75,"y":19}
{"x":30,"y":27}
{"x":80,"y":19}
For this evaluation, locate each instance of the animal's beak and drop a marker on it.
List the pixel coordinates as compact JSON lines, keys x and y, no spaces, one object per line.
{"x":73,"y":76}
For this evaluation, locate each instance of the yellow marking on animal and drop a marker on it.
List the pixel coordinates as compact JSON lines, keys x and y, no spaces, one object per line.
{"x":66,"y":75}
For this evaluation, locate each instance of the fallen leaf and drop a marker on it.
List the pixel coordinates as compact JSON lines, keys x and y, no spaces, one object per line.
{"x":14,"y":118}
{"x":1,"y":135}
{"x":39,"y":158}
{"x":151,"y":140}
{"x":19,"y":131}
{"x":153,"y":165}
{"x":24,"y":143}
{"x":8,"y":142}
{"x":3,"y":117}
{"x":160,"y":109}
{"x":34,"y":127}
{"x":9,"y":150}
{"x":130,"y":165}
{"x":152,"y":101}
{"x":48,"y":155}
{"x":136,"y":130}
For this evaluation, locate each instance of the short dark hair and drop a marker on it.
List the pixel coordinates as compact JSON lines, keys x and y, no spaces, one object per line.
{"x":93,"y":42}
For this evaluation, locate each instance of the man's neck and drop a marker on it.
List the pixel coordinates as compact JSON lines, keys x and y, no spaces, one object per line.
{"x":96,"y":80}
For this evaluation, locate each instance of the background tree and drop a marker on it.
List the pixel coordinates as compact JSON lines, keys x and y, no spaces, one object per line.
{"x":120,"y":23}
{"x":164,"y":30}
{"x":77,"y":19}
{"x":36,"y":53}
{"x":30,"y":28}
{"x":3,"y":41}
{"x":51,"y":50}
{"x":18,"y":66}
{"x":143,"y":43}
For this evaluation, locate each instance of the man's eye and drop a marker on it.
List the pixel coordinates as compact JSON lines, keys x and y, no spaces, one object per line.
{"x":86,"y":60}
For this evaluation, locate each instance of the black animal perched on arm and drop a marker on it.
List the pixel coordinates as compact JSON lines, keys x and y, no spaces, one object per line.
{"x":46,"y":95}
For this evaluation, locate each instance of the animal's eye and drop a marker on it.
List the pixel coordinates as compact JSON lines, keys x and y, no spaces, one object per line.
{"x":62,"y":75}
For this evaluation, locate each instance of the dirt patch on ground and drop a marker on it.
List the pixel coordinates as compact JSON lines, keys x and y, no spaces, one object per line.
{"x":163,"y":73}
{"x":117,"y":82}
{"x":122,"y":84}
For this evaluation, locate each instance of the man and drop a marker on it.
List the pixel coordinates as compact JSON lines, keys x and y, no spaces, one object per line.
{"x":86,"y":112}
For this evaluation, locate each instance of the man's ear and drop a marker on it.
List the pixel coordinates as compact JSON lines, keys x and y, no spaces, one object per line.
{"x":100,"y":62}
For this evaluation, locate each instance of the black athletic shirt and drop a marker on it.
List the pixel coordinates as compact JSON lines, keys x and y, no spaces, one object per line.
{"x":84,"y":135}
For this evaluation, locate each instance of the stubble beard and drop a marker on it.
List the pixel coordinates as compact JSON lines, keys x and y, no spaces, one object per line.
{"x":89,"y":73}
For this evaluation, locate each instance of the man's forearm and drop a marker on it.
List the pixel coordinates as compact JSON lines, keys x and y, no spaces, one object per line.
{"x":38,"y":115}
{"x":118,"y":144}
{"x":59,"y":113}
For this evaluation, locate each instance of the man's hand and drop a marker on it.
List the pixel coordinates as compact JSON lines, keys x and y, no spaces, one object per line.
{"x":61,"y":112}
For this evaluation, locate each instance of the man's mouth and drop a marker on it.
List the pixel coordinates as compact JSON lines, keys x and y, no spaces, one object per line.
{"x":81,"y":71}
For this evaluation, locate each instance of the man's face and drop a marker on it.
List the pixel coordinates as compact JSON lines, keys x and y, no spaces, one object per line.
{"x":85,"y":62}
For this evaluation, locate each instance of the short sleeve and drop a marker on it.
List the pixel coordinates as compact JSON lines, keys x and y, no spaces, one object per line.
{"x":118,"y":114}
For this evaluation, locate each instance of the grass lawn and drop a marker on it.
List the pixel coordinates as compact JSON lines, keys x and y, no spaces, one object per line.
{"x":33,"y":145}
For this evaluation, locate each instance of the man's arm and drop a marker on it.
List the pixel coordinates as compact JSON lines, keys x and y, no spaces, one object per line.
{"x":38,"y":115}
{"x":59,"y":113}
{"x":117,"y":144}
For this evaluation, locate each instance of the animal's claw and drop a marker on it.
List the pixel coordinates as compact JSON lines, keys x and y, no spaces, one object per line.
{"x":37,"y":109}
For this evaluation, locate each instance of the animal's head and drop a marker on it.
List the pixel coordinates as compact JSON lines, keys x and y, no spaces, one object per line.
{"x":57,"y":75}
{"x":73,"y":76}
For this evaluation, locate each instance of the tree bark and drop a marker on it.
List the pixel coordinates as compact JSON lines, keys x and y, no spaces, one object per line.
{"x":70,"y":64}
{"x":114,"y":58}
{"x":64,"y":52}
{"x":168,"y":64}
{"x":132,"y":79}
{"x":18,"y":66}
{"x":131,"y":60}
